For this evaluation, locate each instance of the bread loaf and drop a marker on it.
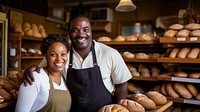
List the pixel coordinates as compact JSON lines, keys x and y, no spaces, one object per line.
{"x":104,"y":39}
{"x":174,"y":53}
{"x":182,"y":90}
{"x":158,"y":98}
{"x":183,"y":33}
{"x":141,"y":56}
{"x":195,"y":33}
{"x":143,"y":100}
{"x":183,"y":52}
{"x":147,"y":37}
{"x":119,"y":38}
{"x":135,"y":88}
{"x":170,"y":33}
{"x":192,"y":89}
{"x":194,"y":75}
{"x":131,"y":38}
{"x":192,"y":26}
{"x":194,"y":52}
{"x":170,"y":90}
{"x":180,"y":74}
{"x":157,"y":88}
{"x":113,"y":108}
{"x":144,"y":72}
{"x":176,"y":27}
{"x":128,"y":55}
{"x":131,"y":105}
{"x":163,"y":89}
{"x":198,"y":96}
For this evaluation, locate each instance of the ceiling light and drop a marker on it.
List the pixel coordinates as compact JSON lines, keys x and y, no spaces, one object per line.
{"x":125,"y":6}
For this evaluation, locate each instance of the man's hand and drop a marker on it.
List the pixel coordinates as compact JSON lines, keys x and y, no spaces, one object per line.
{"x":28,"y":74}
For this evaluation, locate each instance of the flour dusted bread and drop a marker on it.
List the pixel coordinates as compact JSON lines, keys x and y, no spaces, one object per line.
{"x":183,"y":33}
{"x":128,"y":55}
{"x":176,"y":27}
{"x":131,"y":38}
{"x":141,"y":56}
{"x":135,"y":88}
{"x":170,"y":33}
{"x":183,"y":52}
{"x":182,"y":90}
{"x":131,"y":105}
{"x":194,"y":52}
{"x":104,"y":38}
{"x":143,"y":100}
{"x":113,"y":108}
{"x":174,"y":52}
{"x":158,"y":98}
{"x":192,"y":26}
{"x":195,"y":33}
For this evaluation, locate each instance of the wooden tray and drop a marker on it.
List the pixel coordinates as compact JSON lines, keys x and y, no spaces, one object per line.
{"x":162,"y":107}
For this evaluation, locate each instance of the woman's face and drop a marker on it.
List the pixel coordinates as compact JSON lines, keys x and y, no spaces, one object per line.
{"x":56,"y":57}
{"x":80,"y":33}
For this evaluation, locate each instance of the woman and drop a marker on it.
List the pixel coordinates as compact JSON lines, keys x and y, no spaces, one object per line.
{"x":49,"y":92}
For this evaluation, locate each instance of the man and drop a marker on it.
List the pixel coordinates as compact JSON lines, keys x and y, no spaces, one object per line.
{"x":94,"y":71}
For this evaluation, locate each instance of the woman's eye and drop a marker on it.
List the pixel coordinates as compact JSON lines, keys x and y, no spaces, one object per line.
{"x":63,"y":54}
{"x":54,"y":55}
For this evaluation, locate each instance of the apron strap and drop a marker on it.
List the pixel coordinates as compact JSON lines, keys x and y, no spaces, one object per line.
{"x":93,"y":54}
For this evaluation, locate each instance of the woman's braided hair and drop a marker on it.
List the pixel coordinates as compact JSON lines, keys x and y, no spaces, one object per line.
{"x":50,"y":39}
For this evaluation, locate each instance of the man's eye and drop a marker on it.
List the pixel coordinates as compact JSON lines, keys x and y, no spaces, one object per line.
{"x":86,"y":30}
{"x":74,"y":30}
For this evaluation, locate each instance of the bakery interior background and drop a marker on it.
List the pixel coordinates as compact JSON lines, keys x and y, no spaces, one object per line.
{"x":54,"y":14}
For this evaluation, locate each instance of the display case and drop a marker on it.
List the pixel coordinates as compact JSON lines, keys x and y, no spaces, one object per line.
{"x":3,"y":44}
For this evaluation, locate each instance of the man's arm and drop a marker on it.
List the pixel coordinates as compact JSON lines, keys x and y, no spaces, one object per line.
{"x":120,"y":92}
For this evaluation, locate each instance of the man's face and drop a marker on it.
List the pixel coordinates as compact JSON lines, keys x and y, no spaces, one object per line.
{"x":80,"y":33}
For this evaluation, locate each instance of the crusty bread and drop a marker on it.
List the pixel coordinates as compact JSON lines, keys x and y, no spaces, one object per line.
{"x":131,"y":38}
{"x":192,"y":89}
{"x":135,"y":88}
{"x":194,"y":52}
{"x":192,"y":26}
{"x":194,"y":75}
{"x":176,"y":27}
{"x":158,"y":98}
{"x":119,"y":38}
{"x":141,"y":56}
{"x":183,"y":33}
{"x":180,"y":74}
{"x":131,"y":105}
{"x":128,"y":55}
{"x":183,"y":52}
{"x":170,"y":33}
{"x":174,"y":53}
{"x":163,"y":89}
{"x":182,"y":90}
{"x":113,"y":108}
{"x":170,"y":91}
{"x":104,"y":39}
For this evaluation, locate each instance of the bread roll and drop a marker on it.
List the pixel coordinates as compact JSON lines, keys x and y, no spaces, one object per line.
{"x":194,"y":75}
{"x":194,"y":52}
{"x":131,"y":38}
{"x":180,"y":74}
{"x":113,"y":108}
{"x":183,"y":52}
{"x":170,"y":90}
{"x":155,"y":72}
{"x":182,"y":90}
{"x":143,"y":100}
{"x":141,"y":56}
{"x":144,"y":72}
{"x":174,"y":53}
{"x":104,"y":39}
{"x":183,"y":33}
{"x":176,"y":27}
{"x":158,"y":98}
{"x":170,"y":33}
{"x":128,"y":55}
{"x":192,"y":26}
{"x":195,"y":33}
{"x":192,"y":89}
{"x":135,"y":88}
{"x":131,"y":105}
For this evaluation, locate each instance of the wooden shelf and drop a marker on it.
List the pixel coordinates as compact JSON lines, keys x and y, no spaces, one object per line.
{"x":127,"y":43}
{"x":7,"y":104}
{"x":32,"y":57}
{"x":182,"y":100}
{"x":32,"y":38}
{"x":179,"y":39}
{"x":162,"y":107}
{"x":170,"y":78}
{"x":141,"y":60}
{"x":144,"y":78}
{"x":178,"y":60}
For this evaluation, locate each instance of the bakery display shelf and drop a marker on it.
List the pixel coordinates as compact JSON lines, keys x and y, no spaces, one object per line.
{"x":144,"y":78}
{"x":32,"y":38}
{"x":127,"y":42}
{"x":182,"y":100}
{"x":178,"y":60}
{"x":179,"y":39}
{"x":32,"y":57}
{"x":171,"y":78}
{"x":7,"y":104}
{"x":161,"y":108}
{"x":141,"y":60}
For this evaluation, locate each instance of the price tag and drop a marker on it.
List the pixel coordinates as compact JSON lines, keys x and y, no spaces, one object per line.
{"x":193,"y":38}
{"x":181,"y":39}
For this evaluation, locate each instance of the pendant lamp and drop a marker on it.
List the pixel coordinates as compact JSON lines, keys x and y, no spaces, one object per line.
{"x":125,"y":6}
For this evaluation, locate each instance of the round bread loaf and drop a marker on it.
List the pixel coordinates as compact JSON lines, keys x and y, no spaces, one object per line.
{"x":182,"y":90}
{"x":170,"y":33}
{"x":192,"y":89}
{"x":141,"y":56}
{"x":180,"y":74}
{"x":158,"y":98}
{"x":192,"y":26}
{"x":195,"y":33}
{"x":131,"y":105}
{"x":174,"y":53}
{"x":183,"y":52}
{"x":131,"y":38}
{"x":113,"y":108}
{"x":104,"y":39}
{"x":170,"y":90}
{"x":176,"y":27}
{"x":194,"y":75}
{"x":119,"y":38}
{"x":143,"y":100}
{"x":147,"y":37}
{"x":194,"y":52}
{"x":129,"y":55}
{"x":183,"y":33}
